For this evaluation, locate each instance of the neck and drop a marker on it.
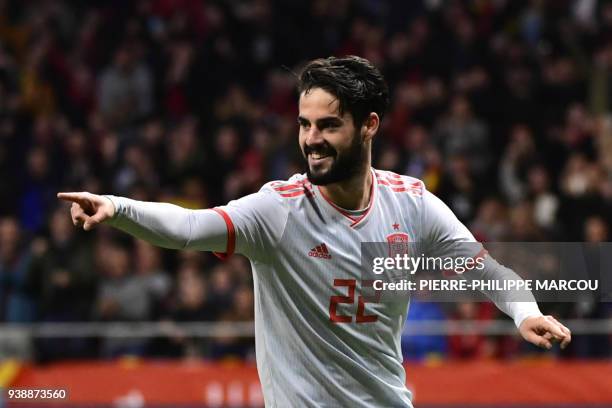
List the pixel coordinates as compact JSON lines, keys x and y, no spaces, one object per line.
{"x":352,"y":194}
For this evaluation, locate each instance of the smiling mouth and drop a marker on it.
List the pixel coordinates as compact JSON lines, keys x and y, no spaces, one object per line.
{"x":318,"y":159}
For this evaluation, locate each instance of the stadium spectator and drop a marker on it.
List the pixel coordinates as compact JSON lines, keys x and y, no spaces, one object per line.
{"x":126,"y":90}
{"x":424,"y":347}
{"x":241,"y":311}
{"x":459,"y":187}
{"x":149,"y":269}
{"x":16,"y":301}
{"x":462,"y":134}
{"x":491,"y":222}
{"x":63,"y":274}
{"x":545,"y":202}
{"x":63,"y":282}
{"x":520,"y":153}
{"x":190,"y":305}
{"x":595,"y":231}
{"x":122,"y":296}
{"x":37,"y":189}
{"x":471,"y":345}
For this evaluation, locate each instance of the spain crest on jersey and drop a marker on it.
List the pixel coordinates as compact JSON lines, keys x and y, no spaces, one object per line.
{"x":398,"y":243}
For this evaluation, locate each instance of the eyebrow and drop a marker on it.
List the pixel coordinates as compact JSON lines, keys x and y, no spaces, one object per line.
{"x":327,"y":120}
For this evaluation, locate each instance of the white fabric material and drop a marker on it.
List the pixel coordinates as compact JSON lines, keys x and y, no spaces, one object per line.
{"x":168,"y":225}
{"x":305,"y":256}
{"x":444,"y":233}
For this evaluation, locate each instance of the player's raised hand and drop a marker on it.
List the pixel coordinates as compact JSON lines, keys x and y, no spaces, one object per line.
{"x":88,"y":210}
{"x":543,"y":330}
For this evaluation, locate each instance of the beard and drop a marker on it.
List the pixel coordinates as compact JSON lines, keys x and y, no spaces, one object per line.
{"x":345,"y":165}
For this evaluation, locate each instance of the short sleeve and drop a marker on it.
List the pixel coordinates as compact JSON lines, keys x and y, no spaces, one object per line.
{"x":255,"y":223}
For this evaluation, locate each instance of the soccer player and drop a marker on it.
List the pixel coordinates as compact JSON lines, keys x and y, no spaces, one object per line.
{"x":319,"y":342}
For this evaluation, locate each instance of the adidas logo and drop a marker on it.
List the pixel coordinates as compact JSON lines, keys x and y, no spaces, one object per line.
{"x":320,"y":251}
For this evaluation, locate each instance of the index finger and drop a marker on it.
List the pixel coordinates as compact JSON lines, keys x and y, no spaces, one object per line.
{"x":73,"y":197}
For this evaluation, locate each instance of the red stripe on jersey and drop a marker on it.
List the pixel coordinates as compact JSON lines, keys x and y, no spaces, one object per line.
{"x":231,"y":235}
{"x":295,"y":189}
{"x":395,"y":182}
{"x":287,"y":187}
{"x":398,"y":186}
{"x":292,"y":194}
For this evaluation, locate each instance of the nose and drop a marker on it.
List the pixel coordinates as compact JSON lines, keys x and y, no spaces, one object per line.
{"x":313,"y":136}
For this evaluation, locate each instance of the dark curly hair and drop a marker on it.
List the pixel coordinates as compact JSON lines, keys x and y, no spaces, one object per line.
{"x":357,"y":84}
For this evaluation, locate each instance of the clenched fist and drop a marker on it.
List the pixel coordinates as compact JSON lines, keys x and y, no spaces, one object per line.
{"x":88,"y":210}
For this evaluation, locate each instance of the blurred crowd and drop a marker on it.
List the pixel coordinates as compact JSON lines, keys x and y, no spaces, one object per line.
{"x":501,"y":107}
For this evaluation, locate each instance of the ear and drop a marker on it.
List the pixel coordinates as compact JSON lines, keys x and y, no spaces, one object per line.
{"x":370,"y":126}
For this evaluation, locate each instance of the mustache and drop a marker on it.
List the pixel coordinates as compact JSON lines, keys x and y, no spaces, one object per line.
{"x":324,"y":150}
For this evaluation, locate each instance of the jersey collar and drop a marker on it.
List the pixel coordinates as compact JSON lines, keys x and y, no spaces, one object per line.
{"x":349,"y":219}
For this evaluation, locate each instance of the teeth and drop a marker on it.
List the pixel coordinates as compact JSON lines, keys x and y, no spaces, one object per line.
{"x":317,"y":156}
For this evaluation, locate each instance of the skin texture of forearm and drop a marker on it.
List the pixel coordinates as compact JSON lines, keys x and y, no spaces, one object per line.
{"x":169,"y":226}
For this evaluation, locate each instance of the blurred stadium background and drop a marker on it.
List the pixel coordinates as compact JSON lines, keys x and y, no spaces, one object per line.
{"x":502,"y":107}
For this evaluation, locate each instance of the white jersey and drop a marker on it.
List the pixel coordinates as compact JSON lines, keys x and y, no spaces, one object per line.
{"x":319,"y":341}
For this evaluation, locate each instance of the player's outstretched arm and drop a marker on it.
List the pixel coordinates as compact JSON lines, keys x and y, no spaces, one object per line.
{"x":446,"y":231}
{"x":543,"y":330}
{"x":162,"y":224}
